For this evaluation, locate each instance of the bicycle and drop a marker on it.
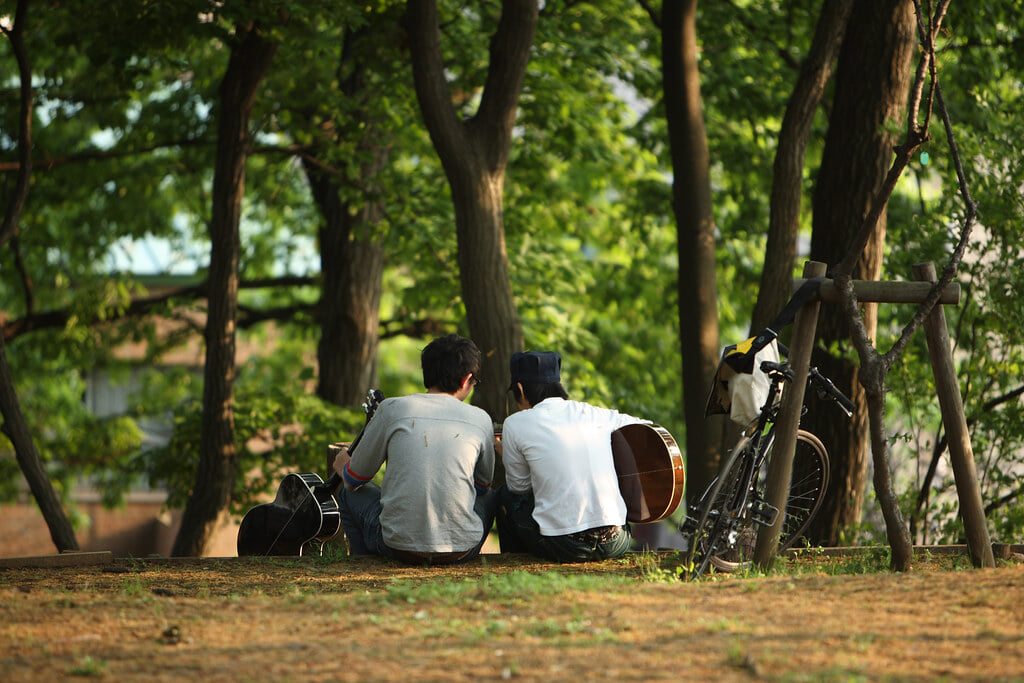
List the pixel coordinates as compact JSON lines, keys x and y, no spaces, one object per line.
{"x":722,"y":525}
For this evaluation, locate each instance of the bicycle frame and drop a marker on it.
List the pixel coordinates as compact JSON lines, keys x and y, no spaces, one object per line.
{"x":733,"y":501}
{"x":762,"y":435}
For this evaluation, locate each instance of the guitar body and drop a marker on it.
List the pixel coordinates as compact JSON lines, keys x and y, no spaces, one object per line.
{"x":651,"y":473}
{"x":303,"y":511}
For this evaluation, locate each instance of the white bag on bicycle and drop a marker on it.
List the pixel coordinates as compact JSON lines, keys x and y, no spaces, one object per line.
{"x":741,"y":394}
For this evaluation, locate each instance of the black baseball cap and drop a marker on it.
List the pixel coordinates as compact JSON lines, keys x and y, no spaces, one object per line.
{"x":536,"y":367}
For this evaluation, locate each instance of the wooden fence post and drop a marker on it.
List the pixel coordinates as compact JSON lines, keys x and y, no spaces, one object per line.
{"x":961,"y":454}
{"x":780,"y":467}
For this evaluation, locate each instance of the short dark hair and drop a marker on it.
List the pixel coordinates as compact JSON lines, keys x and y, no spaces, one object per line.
{"x":447,"y":360}
{"x":535,"y":392}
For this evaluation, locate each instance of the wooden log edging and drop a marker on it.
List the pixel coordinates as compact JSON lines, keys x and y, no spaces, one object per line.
{"x":68,"y":559}
{"x":1001,"y":551}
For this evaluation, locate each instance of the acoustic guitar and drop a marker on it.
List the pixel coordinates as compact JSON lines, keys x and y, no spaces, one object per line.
{"x":303,"y":514}
{"x":650,"y":468}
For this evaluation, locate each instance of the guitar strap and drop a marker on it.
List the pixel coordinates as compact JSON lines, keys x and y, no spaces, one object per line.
{"x":280,"y":533}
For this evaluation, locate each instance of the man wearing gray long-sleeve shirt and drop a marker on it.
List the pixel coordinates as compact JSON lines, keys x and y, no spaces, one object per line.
{"x":434,"y":505}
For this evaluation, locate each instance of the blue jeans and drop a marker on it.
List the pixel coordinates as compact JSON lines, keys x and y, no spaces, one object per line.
{"x":360,"y":516}
{"x":519,"y":532}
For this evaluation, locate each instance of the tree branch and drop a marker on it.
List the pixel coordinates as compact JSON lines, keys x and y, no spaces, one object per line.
{"x":141,"y":306}
{"x":49,"y":163}
{"x":249,"y":316}
{"x":874,"y":366}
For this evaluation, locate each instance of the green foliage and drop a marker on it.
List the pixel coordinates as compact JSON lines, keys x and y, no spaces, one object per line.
{"x":280,"y":427}
{"x":125,"y":103}
{"x":748,"y":69}
{"x":74,"y":443}
{"x":590,"y":237}
{"x":980,"y":72}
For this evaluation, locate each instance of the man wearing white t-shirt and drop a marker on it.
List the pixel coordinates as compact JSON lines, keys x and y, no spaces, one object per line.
{"x":561,"y":499}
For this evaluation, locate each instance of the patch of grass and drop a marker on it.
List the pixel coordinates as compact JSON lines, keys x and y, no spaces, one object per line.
{"x":817,"y":561}
{"x":484,"y":632}
{"x":553,"y":630}
{"x":725,"y":625}
{"x":659,"y":568}
{"x":506,"y":589}
{"x":666,"y":568}
{"x":739,"y":657}
{"x":331,"y":553}
{"x":960,"y":562}
{"x":133,"y":586}
{"x":871,"y":562}
{"x":87,"y":666}
{"x":300,"y":595}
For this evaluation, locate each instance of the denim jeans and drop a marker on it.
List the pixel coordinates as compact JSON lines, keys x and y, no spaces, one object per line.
{"x":360,"y":516}
{"x":519,"y":532}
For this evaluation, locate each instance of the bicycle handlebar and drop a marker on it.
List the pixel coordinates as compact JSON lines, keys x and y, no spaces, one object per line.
{"x":824,"y":384}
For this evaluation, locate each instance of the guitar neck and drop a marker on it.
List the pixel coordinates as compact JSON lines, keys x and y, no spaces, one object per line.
{"x":335,"y":482}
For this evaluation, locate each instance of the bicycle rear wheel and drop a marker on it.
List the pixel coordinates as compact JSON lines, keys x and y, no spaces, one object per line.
{"x":807,"y":488}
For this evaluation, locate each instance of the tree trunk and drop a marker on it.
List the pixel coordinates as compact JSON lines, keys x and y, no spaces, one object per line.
{"x":16,"y":429}
{"x":787,"y":180}
{"x":486,"y":288}
{"x":695,"y":226}
{"x":218,"y":460}
{"x":474,"y":154}
{"x":351,"y":252}
{"x":352,"y":269}
{"x":14,"y":425}
{"x":872,"y":82}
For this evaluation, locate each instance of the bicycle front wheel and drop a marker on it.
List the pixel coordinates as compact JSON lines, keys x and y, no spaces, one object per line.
{"x":721,"y":510}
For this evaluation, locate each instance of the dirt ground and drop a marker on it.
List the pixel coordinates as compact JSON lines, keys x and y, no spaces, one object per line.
{"x":510,"y":617}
